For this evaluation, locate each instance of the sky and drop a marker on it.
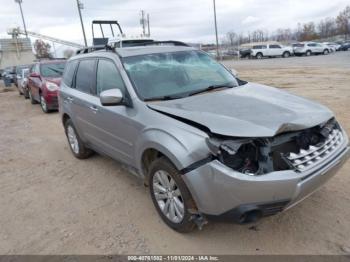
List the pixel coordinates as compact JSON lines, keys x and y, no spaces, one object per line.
{"x":183,"y":20}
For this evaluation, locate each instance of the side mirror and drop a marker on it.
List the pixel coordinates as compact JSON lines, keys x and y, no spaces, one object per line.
{"x":34,"y":74}
{"x":234,"y":72}
{"x":112,"y":97}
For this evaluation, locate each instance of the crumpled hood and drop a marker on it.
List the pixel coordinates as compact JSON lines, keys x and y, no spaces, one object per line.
{"x":251,"y":110}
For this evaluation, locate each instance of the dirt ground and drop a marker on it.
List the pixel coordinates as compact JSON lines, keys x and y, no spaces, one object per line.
{"x":52,"y":203}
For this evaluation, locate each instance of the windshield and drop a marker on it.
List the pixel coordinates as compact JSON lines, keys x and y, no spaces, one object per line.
{"x":52,"y":69}
{"x":175,"y":74}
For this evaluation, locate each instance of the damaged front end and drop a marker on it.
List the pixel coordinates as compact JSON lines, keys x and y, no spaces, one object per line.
{"x":299,"y":150}
{"x":246,"y":179}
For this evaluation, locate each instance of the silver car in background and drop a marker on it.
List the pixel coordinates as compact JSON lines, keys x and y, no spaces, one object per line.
{"x":209,"y":145}
{"x":310,"y":48}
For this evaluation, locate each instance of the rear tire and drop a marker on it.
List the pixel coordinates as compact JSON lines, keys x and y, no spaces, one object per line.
{"x":286,"y":55}
{"x":308,"y":53}
{"x":326,"y":52}
{"x":170,"y":196}
{"x":259,"y":56}
{"x":76,"y":145}
{"x":32,"y":100}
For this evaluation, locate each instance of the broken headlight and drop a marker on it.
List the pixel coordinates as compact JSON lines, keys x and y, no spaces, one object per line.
{"x":240,"y":155}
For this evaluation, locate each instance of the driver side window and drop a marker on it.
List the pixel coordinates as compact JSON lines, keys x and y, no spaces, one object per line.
{"x":108,"y":77}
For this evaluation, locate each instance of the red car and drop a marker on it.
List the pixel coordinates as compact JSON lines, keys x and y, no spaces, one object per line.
{"x":43,"y":83}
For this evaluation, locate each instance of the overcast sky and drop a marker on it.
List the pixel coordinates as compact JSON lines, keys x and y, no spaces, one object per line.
{"x":186,"y":20}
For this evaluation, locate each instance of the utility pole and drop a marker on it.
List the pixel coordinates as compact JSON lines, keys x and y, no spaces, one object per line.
{"x":149,"y":30}
{"x":216,"y":32}
{"x":143,"y":22}
{"x":80,"y":6}
{"x":19,"y":2}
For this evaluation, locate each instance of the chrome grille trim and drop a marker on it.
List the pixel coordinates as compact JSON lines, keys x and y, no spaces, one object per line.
{"x":308,"y":158}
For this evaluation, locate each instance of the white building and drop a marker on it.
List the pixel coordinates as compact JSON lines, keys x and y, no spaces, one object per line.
{"x":15,"y":51}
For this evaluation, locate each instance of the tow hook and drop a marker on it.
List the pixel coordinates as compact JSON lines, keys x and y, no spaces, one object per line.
{"x":198,"y":219}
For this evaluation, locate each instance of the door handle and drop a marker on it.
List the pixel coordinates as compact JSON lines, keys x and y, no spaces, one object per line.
{"x":69,"y":99}
{"x":93,"y":108}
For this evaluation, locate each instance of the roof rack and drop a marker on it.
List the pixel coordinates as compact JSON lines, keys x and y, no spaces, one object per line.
{"x":94,"y":48}
{"x":168,"y":42}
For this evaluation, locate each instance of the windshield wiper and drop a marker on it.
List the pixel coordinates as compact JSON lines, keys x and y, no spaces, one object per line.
{"x":209,"y":88}
{"x":159,"y":98}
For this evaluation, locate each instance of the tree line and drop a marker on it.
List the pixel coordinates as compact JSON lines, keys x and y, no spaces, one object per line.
{"x":325,"y":29}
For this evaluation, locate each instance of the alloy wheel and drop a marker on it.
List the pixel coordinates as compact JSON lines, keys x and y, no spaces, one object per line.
{"x":73,"y":140}
{"x":168,"y":196}
{"x":43,"y":103}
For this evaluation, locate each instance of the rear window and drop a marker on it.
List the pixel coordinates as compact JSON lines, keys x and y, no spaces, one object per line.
{"x":298,"y":45}
{"x":275,"y":46}
{"x":52,"y":69}
{"x":259,"y":47}
{"x":69,"y":73}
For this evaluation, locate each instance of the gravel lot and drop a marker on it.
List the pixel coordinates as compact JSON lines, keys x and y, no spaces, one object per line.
{"x":52,"y":203}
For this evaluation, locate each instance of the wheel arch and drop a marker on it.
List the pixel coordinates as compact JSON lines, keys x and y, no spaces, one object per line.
{"x":181,"y":151}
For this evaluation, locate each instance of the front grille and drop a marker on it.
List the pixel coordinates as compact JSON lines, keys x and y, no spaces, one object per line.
{"x":306,"y":159}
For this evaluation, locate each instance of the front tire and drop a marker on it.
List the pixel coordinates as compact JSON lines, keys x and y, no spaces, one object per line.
{"x":326,"y":52}
{"x":43,"y":104}
{"x":171,"y":196}
{"x":76,"y":145}
{"x":308,"y":53}
{"x":25,"y":93}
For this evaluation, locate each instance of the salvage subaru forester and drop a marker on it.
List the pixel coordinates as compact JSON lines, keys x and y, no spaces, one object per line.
{"x":208,"y":145}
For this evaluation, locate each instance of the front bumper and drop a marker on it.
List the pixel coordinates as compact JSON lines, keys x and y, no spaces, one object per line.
{"x":52,"y":100}
{"x":220,"y":191}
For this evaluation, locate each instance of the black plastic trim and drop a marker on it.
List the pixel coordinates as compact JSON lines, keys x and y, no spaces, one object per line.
{"x":235,"y":214}
{"x":197,"y":164}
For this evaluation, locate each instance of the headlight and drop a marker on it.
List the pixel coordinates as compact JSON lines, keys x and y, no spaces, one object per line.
{"x":51,"y":86}
{"x":240,"y":155}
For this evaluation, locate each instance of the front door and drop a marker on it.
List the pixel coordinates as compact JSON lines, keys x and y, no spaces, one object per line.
{"x":113,"y":129}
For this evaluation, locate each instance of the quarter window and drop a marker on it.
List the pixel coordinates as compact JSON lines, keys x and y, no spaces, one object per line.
{"x":85,"y":78}
{"x":108,"y":77}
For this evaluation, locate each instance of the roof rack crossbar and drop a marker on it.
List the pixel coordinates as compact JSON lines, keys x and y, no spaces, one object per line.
{"x":175,"y":43}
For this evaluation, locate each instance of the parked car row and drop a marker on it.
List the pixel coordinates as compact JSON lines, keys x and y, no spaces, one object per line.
{"x":38,"y":82}
{"x":209,"y":145}
{"x":296,"y":49}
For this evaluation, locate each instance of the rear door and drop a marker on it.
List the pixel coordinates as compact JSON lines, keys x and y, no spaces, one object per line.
{"x":77,"y":98}
{"x":275,"y":50}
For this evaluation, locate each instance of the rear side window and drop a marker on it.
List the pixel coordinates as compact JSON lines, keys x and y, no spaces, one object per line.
{"x":69,"y":73}
{"x":108,"y":77}
{"x":85,"y":77}
{"x":259,"y":47}
{"x":275,"y":46}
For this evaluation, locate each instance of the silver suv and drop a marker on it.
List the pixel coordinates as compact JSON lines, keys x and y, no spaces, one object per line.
{"x":208,"y":145}
{"x":309,"y":48}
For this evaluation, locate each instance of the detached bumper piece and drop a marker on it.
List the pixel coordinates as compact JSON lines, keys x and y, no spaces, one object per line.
{"x":250,"y":213}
